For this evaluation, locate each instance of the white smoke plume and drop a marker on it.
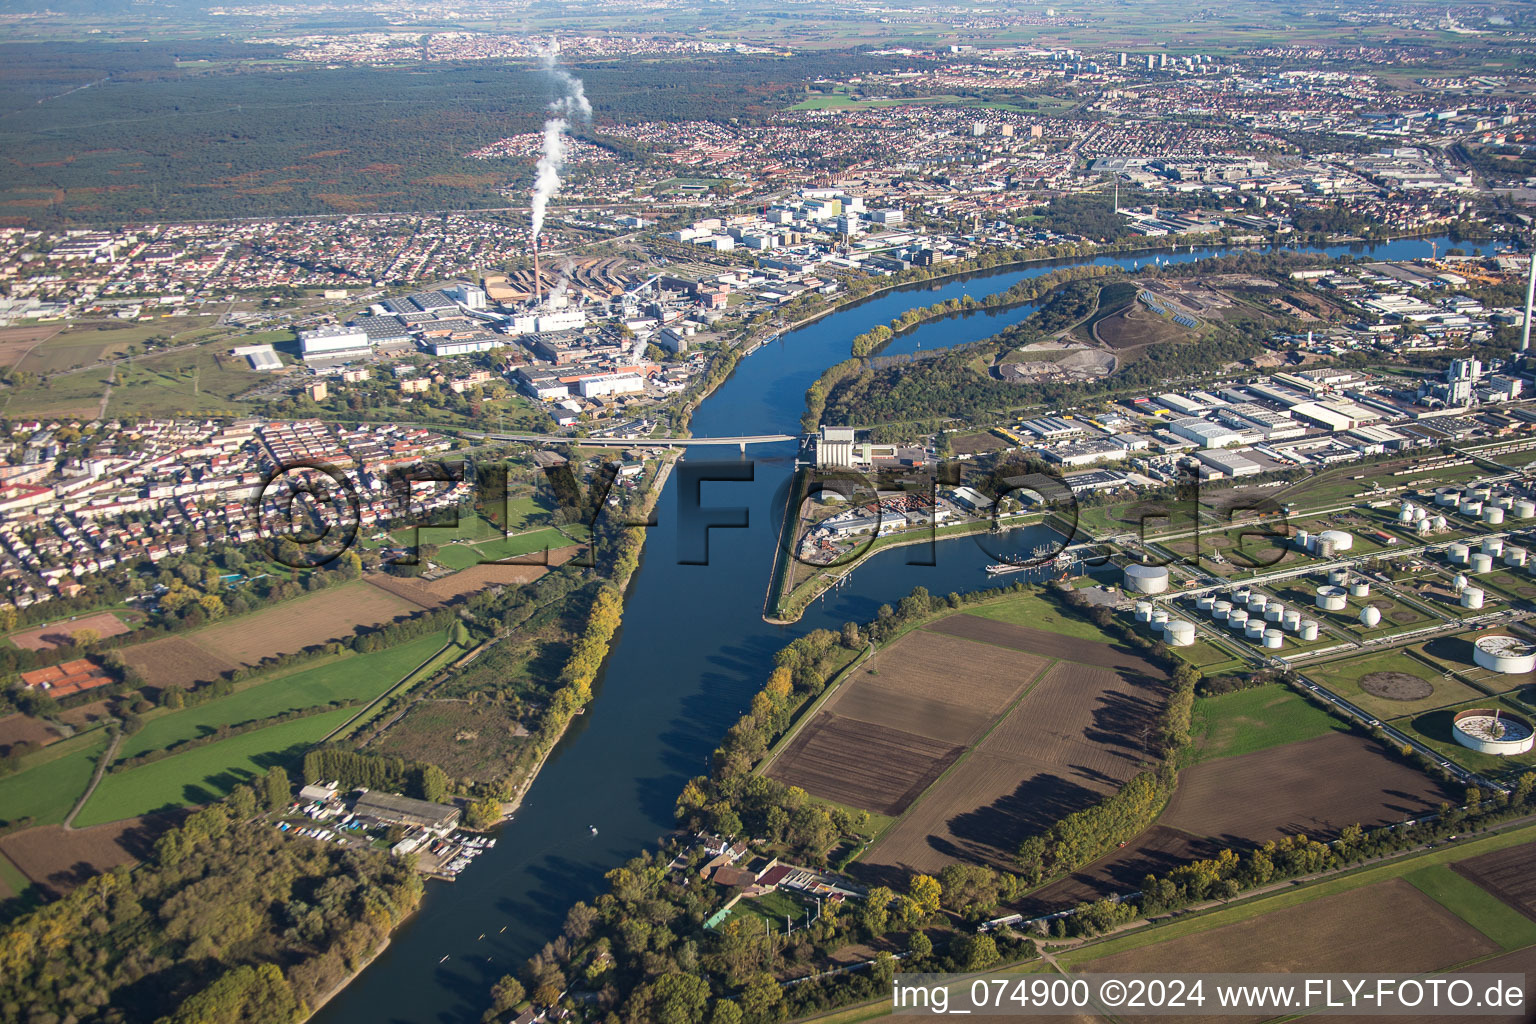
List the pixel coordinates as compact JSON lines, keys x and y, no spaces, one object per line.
{"x":570,"y":105}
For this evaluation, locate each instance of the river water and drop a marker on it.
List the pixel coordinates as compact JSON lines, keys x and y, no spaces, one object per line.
{"x":692,"y":651}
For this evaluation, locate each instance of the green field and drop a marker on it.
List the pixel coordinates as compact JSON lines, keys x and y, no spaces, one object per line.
{"x":46,"y":789}
{"x":360,"y":677}
{"x":462,"y":556}
{"x":206,"y":773}
{"x":1246,"y":721}
{"x":1031,"y":610}
{"x":1475,"y":905}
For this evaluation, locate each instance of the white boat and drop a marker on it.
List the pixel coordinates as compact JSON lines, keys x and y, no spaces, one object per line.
{"x":593,"y":828}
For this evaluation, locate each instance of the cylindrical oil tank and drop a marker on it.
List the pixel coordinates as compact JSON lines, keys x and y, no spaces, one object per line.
{"x":1515,"y":555}
{"x":1493,"y":515}
{"x":1472,"y":597}
{"x":1254,"y":630}
{"x":1241,"y":595}
{"x":1291,"y":620}
{"x":1341,"y":541}
{"x":1359,"y":588}
{"x":1204,"y":602}
{"x":1504,"y":501}
{"x":1308,"y":629}
{"x":1481,"y":492}
{"x":1337,"y":576}
{"x":1304,"y":540}
{"x":1146,"y":579}
{"x":1500,"y":652}
{"x":1523,"y":508}
{"x":1274,"y":612}
{"x":1482,"y":561}
{"x":1447,"y":496}
{"x":1257,"y":603}
{"x":1274,"y":639}
{"x":1370,"y":615}
{"x":1237,"y":620}
{"x":1143,"y":611}
{"x":1331,"y":598}
{"x":1220,"y":610}
{"x":1179,"y":633}
{"x":1493,"y":545}
{"x":1457,"y":553}
{"x":1471,"y":508}
{"x":1159,"y":618}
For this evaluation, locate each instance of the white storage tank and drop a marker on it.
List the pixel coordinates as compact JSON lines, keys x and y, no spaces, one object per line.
{"x":1471,"y":508}
{"x":1179,"y":633}
{"x":1241,"y":595}
{"x":1309,"y":629}
{"x":1482,"y":561}
{"x":1341,"y":541}
{"x":1481,"y":492}
{"x":1331,"y":598}
{"x":1460,"y":582}
{"x":1440,"y":525}
{"x":1304,"y":540}
{"x":1405,"y":514}
{"x":1237,"y":620}
{"x":1291,"y":620}
{"x":1457,"y":553}
{"x":1205,"y":601}
{"x":1447,"y":496}
{"x":1419,"y":515}
{"x":1472,"y":597}
{"x":1493,"y":516}
{"x":1146,"y":579}
{"x":1274,"y":612}
{"x":1493,"y":731}
{"x":1504,"y":502}
{"x":1143,"y":611}
{"x":1274,"y":639}
{"x":1500,"y":652}
{"x":1515,"y":556}
{"x":1523,"y":508}
{"x":1159,"y":619}
{"x":1338,"y":576}
{"x":1370,"y":616}
{"x":1254,"y":630}
{"x":1220,"y":610}
{"x":1359,"y":588}
{"x":1493,"y":545}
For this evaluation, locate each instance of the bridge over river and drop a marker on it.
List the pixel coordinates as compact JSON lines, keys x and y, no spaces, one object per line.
{"x":642,"y":442}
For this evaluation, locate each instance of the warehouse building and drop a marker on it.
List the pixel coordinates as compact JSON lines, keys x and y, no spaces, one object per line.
{"x":393,"y":809}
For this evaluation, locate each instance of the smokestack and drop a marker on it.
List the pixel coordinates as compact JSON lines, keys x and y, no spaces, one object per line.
{"x":1530,"y":294}
{"x":538,"y":280}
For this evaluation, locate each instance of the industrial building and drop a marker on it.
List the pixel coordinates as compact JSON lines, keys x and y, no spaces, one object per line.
{"x":393,"y":809}
{"x":333,"y":342}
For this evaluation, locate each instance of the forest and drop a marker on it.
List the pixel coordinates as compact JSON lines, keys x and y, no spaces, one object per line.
{"x":150,"y":140}
{"x":229,"y":921}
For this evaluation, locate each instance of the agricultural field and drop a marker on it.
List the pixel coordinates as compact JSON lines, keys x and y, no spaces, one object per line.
{"x":1393,"y":683}
{"x":50,"y":781}
{"x":435,"y":593}
{"x":1015,"y":625}
{"x":1506,"y":874}
{"x":1315,"y":787}
{"x":60,"y":859}
{"x":463,"y":556}
{"x":1076,"y":735}
{"x":204,"y":654}
{"x":350,"y":677}
{"x":1247,"y":721}
{"x":206,"y":773}
{"x":1390,"y":926}
{"x":62,"y":634}
{"x":886,"y":734}
{"x":20,"y":728}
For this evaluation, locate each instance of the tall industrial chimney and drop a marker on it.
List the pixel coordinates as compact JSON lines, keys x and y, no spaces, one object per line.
{"x":538,"y":280}
{"x":1530,"y":294}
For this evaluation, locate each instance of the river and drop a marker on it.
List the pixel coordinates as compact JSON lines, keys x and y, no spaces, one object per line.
{"x":692,"y":651}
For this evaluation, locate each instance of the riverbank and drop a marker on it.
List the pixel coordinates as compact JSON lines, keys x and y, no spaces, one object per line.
{"x":810,"y":589}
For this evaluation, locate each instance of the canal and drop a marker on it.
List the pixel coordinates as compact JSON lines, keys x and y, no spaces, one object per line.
{"x":691,"y":652}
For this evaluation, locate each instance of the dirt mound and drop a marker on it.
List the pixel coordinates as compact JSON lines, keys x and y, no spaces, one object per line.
{"x":1395,"y":686}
